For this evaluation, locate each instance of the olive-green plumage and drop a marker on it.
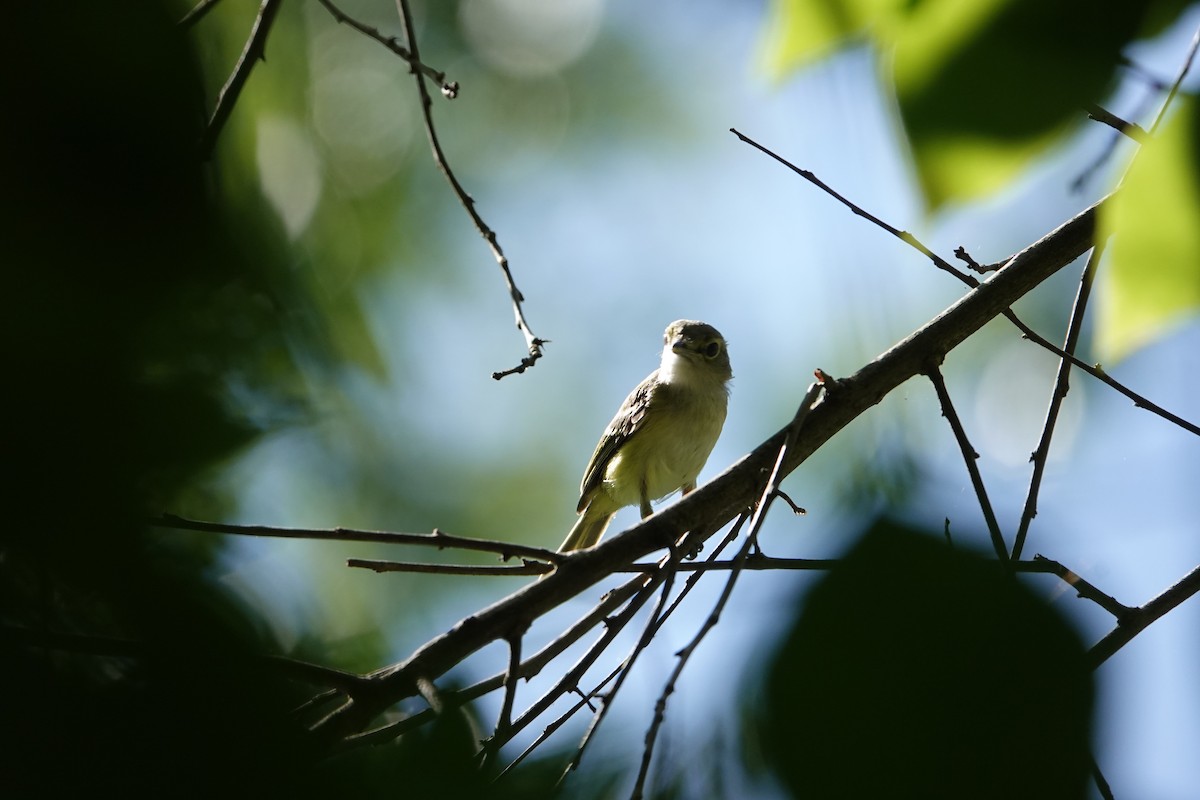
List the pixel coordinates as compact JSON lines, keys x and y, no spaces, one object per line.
{"x":662,"y":434}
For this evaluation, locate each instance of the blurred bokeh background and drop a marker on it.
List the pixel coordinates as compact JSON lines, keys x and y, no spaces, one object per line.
{"x":302,"y":331}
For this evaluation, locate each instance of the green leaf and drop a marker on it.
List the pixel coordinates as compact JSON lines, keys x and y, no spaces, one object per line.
{"x":1152,"y":279}
{"x":985,"y":87}
{"x":795,"y":32}
{"x":982,"y":88}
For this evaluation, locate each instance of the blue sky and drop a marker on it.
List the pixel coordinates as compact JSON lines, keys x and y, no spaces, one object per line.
{"x":612,"y":241}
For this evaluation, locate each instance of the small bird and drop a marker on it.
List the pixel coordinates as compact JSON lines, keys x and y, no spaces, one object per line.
{"x":662,"y":434}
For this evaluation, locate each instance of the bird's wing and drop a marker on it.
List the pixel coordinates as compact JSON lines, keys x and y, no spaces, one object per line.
{"x":626,"y":423}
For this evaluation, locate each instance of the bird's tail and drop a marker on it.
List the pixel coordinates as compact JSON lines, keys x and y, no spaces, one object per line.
{"x":587,"y":529}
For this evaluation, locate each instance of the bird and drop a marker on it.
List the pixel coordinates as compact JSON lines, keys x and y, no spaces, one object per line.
{"x":661,"y":436}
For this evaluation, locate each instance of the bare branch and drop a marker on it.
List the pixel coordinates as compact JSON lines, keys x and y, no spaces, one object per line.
{"x":438,"y":539}
{"x":449,"y":89}
{"x":252,"y":53}
{"x":734,"y":490}
{"x":608,"y":604}
{"x":1096,"y":371}
{"x":533,"y":344}
{"x":770,"y":492}
{"x":197,"y":12}
{"x":1101,"y":784}
{"x":651,"y":628}
{"x":970,"y":457}
{"x":962,"y":255}
{"x":1134,"y":131}
{"x":513,"y":674}
{"x":969,"y":280}
{"x":527,"y":568}
{"x":1139,"y":619}
{"x":903,"y":236}
{"x":570,"y":680}
{"x":1062,"y":385}
{"x":1183,"y":71}
{"x":1082,"y":588}
{"x":682,"y":657}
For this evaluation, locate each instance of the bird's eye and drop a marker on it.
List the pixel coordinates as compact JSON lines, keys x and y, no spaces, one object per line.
{"x":712,"y":349}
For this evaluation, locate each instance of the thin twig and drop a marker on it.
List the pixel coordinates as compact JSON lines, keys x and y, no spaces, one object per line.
{"x":449,"y":89}
{"x":962,"y":255}
{"x":553,"y":727}
{"x":903,"y":236}
{"x":1098,"y":777}
{"x":1140,"y":618}
{"x":970,"y":457}
{"x":970,"y":280}
{"x":648,"y":633}
{"x":438,"y":539}
{"x":533,"y":344}
{"x":1082,"y":588}
{"x":511,"y":677}
{"x":682,"y":657}
{"x":1097,"y":372}
{"x":529,"y":668}
{"x":1062,"y":384}
{"x":599,"y":647}
{"x":807,"y":403}
{"x":570,"y":680}
{"x":770,"y":492}
{"x":697,"y":574}
{"x":527,"y":568}
{"x":1183,"y":71}
{"x":252,"y":53}
{"x":197,"y":12}
{"x":727,"y":495}
{"x":1134,"y":131}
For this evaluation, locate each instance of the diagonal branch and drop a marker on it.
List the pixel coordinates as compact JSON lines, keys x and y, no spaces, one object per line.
{"x":532,"y":343}
{"x":448,"y":88}
{"x":252,"y":53}
{"x":711,"y":506}
{"x":1062,"y":384}
{"x":1139,"y":619}
{"x":1183,"y":71}
{"x":770,"y":491}
{"x":1131,"y":129}
{"x":969,"y":280}
{"x":670,"y":562}
{"x":197,"y":12}
{"x":971,"y":458}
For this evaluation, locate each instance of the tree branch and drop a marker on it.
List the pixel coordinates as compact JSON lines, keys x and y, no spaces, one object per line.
{"x":197,"y":12}
{"x":252,"y":53}
{"x":438,"y":539}
{"x":1062,"y":384}
{"x":970,"y":457}
{"x":1134,"y":131}
{"x":1138,"y":619}
{"x":719,"y":501}
{"x":449,"y":89}
{"x":533,"y":344}
{"x":969,"y":280}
